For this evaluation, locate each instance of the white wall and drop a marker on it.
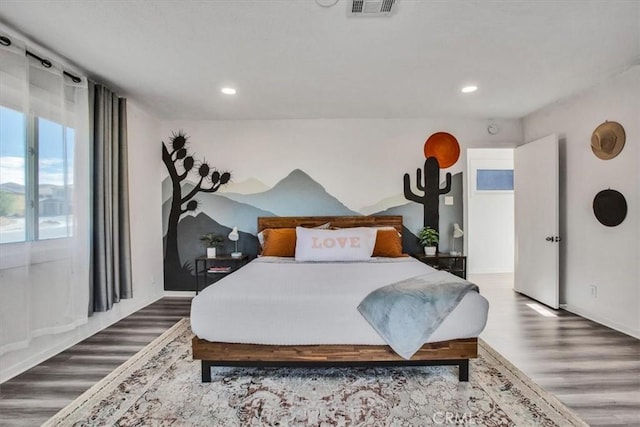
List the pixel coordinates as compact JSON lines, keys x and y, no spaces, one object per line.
{"x":490,"y":226}
{"x":592,"y":254}
{"x":145,"y":172}
{"x":145,"y":197}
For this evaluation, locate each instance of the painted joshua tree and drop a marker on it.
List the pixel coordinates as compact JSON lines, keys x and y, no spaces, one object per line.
{"x":180,"y":164}
{"x":440,"y":149}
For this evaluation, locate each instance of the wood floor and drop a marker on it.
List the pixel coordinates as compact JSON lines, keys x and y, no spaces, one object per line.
{"x":34,"y":396}
{"x":592,"y":369}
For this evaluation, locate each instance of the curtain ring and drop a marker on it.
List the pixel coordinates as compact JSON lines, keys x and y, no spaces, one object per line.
{"x":73,"y":78}
{"x":5,"y":41}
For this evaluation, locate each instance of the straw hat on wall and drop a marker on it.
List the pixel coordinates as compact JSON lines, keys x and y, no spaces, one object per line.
{"x":608,"y":140}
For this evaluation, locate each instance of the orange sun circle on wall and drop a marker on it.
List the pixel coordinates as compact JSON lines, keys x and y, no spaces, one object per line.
{"x":444,"y":147}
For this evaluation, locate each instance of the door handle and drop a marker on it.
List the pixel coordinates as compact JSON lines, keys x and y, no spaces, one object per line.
{"x":549,"y":239}
{"x":553,"y":238}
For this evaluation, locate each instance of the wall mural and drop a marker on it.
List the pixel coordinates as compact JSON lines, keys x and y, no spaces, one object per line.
{"x":431,"y":191}
{"x":179,"y":165}
{"x":201,"y":209}
{"x":440,"y":149}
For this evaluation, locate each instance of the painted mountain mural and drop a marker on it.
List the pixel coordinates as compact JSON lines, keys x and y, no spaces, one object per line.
{"x":226,"y":211}
{"x":384,"y":204}
{"x":295,"y":195}
{"x":248,"y":186}
{"x":190,"y":228}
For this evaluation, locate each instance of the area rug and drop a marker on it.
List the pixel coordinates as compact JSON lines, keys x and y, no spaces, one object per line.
{"x":160,"y":386}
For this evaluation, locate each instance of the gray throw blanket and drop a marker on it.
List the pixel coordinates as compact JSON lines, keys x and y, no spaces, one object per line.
{"x":406,"y":313}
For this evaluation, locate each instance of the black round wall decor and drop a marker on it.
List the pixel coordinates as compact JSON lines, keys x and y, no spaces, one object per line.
{"x":610,"y":207}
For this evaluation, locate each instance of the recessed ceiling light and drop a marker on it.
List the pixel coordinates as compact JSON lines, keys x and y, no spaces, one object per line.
{"x":228,"y":91}
{"x":469,"y":89}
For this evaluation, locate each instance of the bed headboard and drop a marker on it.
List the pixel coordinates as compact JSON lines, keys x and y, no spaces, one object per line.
{"x":336,"y":221}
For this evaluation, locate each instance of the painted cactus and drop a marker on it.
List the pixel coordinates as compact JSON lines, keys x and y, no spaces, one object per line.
{"x":431,"y":191}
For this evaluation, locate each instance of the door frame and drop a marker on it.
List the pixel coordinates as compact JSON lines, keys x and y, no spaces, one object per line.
{"x":470,"y":182}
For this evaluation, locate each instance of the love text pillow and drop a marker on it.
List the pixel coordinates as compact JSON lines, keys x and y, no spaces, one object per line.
{"x":345,"y":244}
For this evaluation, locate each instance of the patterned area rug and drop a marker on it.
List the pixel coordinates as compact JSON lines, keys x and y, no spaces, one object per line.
{"x":161,"y":386}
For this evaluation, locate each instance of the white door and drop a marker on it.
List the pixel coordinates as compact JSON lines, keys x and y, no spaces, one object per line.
{"x":536,"y":220}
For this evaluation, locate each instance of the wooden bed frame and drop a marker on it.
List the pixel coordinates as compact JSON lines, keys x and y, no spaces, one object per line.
{"x":452,"y":352}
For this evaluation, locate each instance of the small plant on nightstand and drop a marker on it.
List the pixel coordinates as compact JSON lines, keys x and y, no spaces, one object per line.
{"x":212,"y":241}
{"x":428,"y":238}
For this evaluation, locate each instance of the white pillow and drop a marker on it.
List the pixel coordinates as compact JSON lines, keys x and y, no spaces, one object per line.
{"x":347,"y":244}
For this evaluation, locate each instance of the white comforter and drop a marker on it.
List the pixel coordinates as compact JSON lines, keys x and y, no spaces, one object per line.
{"x":282,"y":302}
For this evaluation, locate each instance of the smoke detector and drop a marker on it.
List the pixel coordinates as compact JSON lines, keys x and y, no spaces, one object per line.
{"x":372,"y":7}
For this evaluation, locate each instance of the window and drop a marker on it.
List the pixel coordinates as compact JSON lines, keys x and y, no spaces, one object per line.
{"x":36,"y":178}
{"x":494,"y":180}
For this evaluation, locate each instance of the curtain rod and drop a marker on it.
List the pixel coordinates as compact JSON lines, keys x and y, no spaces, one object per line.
{"x":6,"y":41}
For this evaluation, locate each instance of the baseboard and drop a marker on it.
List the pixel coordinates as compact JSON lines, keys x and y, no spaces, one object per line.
{"x":95,"y":324}
{"x":490,"y":271}
{"x":603,"y":321}
{"x":183,"y":294}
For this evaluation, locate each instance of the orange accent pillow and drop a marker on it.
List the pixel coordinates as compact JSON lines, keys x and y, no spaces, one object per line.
{"x":279,"y":242}
{"x":388,"y":244}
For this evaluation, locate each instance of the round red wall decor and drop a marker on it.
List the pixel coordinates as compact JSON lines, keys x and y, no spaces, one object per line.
{"x":444,"y":147}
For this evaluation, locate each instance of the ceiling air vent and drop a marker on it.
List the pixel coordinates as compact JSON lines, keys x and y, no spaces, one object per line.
{"x":372,"y":7}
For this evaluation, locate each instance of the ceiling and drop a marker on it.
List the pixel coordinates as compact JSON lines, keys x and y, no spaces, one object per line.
{"x":296,"y":59}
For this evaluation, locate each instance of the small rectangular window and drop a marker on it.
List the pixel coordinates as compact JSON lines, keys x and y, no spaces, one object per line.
{"x":494,"y":180}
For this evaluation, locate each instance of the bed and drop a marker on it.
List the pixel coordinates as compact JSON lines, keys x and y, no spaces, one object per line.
{"x":280,"y":312}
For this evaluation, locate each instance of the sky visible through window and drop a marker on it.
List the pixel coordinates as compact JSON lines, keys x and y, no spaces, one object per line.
{"x":494,"y":179}
{"x":12,"y":146}
{"x":55,"y":177}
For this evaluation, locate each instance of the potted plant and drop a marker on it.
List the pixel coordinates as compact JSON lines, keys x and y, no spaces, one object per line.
{"x":429,"y":239}
{"x":212,"y":241}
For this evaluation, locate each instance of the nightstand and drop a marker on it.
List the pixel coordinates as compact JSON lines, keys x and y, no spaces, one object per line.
{"x":454,"y":264}
{"x":210,"y":270}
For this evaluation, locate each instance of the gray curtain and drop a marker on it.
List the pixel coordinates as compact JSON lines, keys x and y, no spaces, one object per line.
{"x":110,"y":246}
